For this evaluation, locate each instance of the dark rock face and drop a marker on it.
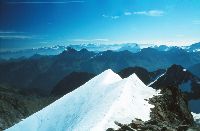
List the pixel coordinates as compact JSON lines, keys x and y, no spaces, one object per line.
{"x":142,"y":73}
{"x":176,"y":75}
{"x":71,"y":82}
{"x":170,"y":113}
{"x":15,"y":105}
{"x":172,"y":107}
{"x":138,"y":125}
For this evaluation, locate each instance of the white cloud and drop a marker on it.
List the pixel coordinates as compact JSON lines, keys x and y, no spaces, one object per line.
{"x":140,"y":13}
{"x":105,"y":16}
{"x":46,"y":2}
{"x":10,"y":32}
{"x":114,"y":17}
{"x":127,"y":13}
{"x":147,"y":13}
{"x":111,"y":17}
{"x":196,"y":22}
{"x":15,"y":37}
{"x":155,"y":13}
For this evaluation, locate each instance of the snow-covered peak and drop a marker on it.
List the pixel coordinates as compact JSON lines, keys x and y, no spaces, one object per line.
{"x":94,"y":106}
{"x":108,"y":77}
{"x":136,"y":79}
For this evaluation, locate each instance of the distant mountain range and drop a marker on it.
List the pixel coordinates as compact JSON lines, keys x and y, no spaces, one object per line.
{"x":55,"y":50}
{"x":195,"y":69}
{"x":42,"y":73}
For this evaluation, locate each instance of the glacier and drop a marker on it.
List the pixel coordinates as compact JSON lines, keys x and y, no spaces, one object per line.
{"x":94,"y":106}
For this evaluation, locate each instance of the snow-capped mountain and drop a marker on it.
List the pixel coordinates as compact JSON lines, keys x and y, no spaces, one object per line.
{"x":57,"y":49}
{"x":95,"y":47}
{"x":96,"y":105}
{"x":195,"y":69}
{"x":192,"y":48}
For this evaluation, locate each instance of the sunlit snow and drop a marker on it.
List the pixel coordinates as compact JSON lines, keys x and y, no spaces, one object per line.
{"x":94,"y":106}
{"x":196,"y":117}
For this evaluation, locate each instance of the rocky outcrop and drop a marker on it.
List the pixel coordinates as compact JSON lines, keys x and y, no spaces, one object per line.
{"x":15,"y":105}
{"x":177,"y":76}
{"x":142,"y":73}
{"x":172,"y":107}
{"x":170,"y":113}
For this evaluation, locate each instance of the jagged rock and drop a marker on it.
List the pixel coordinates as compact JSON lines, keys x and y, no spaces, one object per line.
{"x":170,"y":113}
{"x":110,"y":129}
{"x":142,"y":73}
{"x":171,"y":106}
{"x":177,"y":76}
{"x":15,"y":105}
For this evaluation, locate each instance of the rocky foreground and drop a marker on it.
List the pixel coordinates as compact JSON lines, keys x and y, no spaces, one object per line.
{"x":170,"y":113}
{"x":16,"y":105}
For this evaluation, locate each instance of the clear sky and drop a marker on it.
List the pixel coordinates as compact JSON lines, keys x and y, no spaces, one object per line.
{"x":35,"y":23}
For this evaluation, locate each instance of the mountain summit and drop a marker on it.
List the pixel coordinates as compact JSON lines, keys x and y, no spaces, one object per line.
{"x":96,"y":105}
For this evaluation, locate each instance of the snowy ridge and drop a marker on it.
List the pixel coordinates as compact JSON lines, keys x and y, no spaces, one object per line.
{"x":156,"y":79}
{"x":94,"y":106}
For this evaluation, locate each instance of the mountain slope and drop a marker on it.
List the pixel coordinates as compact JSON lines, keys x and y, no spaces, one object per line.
{"x":193,"y":48}
{"x":176,"y":75}
{"x":71,"y":82}
{"x":94,"y":106}
{"x":44,"y":72}
{"x":188,"y":83}
{"x":142,"y":73}
{"x":195,"y":69}
{"x":170,"y":113}
{"x":16,"y":105}
{"x":76,"y":79}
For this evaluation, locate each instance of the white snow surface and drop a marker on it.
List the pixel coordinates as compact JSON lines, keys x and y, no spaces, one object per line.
{"x":196,"y":117}
{"x":184,"y":70}
{"x":94,"y":106}
{"x":151,"y":83}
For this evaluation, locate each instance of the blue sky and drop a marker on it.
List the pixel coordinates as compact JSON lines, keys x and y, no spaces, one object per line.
{"x":27,"y":24}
